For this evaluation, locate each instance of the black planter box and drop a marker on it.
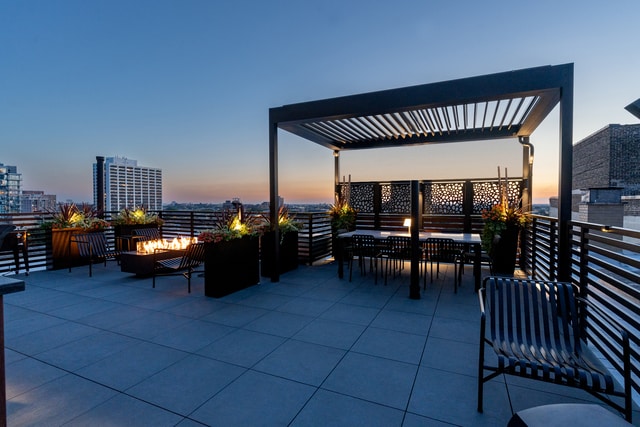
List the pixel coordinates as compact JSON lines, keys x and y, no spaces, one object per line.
{"x":231,"y":266}
{"x":503,"y":253}
{"x":288,"y":253}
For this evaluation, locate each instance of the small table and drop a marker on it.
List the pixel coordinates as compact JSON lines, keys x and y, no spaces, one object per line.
{"x":142,"y":264}
{"x":7,"y":286}
{"x":567,"y":414}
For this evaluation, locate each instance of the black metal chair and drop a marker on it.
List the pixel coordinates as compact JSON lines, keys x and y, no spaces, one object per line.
{"x":144,"y":234}
{"x":467,"y":257}
{"x":441,"y":250}
{"x":184,"y":265}
{"x":396,"y":250}
{"x":363,"y":246}
{"x":93,"y":246}
{"x":536,"y":330}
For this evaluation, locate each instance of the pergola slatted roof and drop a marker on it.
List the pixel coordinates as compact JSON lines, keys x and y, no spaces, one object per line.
{"x":424,"y":125}
{"x":504,"y":105}
{"x":495,"y":106}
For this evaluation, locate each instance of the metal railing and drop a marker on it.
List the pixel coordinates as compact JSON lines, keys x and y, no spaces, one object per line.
{"x":314,"y":240}
{"x":606,"y":270}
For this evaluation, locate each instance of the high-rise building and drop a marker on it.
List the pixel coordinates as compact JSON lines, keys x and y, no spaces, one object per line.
{"x":37,"y":201}
{"x":127,"y":185}
{"x":10,"y":183}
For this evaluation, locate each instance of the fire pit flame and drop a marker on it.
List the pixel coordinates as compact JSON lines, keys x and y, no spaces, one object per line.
{"x":150,"y":246}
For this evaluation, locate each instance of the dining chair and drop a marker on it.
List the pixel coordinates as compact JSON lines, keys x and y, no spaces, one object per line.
{"x":396,"y":250}
{"x":468,"y":257}
{"x":363,"y":246}
{"x":445,"y":250}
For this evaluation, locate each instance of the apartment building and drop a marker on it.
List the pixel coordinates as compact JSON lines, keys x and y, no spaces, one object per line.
{"x":127,"y":185}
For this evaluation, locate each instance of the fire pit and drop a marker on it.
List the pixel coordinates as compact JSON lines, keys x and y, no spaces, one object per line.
{"x":141,"y":261}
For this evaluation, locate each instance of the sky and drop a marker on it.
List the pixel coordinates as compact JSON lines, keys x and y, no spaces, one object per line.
{"x":186,"y":86}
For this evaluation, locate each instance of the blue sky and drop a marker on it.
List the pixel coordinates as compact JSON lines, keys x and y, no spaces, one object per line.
{"x":185,"y":86}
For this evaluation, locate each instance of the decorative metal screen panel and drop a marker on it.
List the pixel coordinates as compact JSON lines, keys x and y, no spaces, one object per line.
{"x":443,"y":198}
{"x":360,"y":196}
{"x":396,"y":198}
{"x":487,"y":194}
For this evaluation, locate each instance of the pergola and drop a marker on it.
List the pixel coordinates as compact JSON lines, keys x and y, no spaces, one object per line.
{"x":503,"y":105}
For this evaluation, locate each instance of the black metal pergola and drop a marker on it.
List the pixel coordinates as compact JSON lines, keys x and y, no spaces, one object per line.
{"x":504,"y":105}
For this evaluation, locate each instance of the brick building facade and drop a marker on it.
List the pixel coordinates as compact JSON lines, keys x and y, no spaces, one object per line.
{"x":609,"y":158}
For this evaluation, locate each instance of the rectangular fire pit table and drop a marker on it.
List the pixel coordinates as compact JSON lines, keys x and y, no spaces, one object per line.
{"x":141,"y":264}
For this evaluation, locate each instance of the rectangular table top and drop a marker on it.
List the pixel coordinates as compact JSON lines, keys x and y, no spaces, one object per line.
{"x":423,"y":235}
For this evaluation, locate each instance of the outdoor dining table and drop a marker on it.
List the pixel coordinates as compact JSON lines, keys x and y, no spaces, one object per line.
{"x":471,"y":239}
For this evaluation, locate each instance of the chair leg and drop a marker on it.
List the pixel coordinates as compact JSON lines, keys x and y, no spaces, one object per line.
{"x":351,"y":268}
{"x":455,"y":277}
{"x":480,"y":369}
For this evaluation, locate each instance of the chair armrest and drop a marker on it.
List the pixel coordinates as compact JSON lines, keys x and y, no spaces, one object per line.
{"x":481,"y":292}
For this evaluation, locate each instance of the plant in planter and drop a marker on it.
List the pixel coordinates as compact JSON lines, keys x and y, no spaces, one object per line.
{"x":343,"y":218}
{"x":69,"y":215}
{"x":231,"y":259}
{"x":289,"y":229}
{"x":137,"y":215}
{"x":68,"y":219}
{"x":130,"y":219}
{"x":501,"y":231}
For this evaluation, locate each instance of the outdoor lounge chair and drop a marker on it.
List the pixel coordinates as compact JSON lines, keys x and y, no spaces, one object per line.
{"x":184,"y":265}
{"x":144,"y":234}
{"x":93,"y":246}
{"x":536,"y":328}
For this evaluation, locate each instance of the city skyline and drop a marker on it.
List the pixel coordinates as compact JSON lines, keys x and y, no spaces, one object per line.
{"x":186,"y":87}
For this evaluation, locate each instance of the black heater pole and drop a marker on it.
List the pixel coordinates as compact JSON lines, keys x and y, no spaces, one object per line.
{"x":100,"y":185}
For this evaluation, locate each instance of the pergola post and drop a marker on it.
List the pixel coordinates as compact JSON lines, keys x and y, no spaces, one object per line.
{"x":273,"y":196}
{"x":566,"y":175}
{"x":527,"y":173}
{"x":336,"y":176}
{"x":414,"y":287}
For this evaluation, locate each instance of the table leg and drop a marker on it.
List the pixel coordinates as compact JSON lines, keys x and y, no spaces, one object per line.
{"x":339,"y":255}
{"x":477,"y":264}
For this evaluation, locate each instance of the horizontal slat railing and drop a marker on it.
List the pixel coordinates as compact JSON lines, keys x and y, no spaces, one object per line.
{"x":606,"y":269}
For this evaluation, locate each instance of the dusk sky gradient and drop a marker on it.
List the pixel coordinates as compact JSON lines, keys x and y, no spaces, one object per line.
{"x":186,"y":86}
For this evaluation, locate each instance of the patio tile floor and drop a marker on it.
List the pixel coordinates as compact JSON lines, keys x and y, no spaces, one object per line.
{"x":308,"y":350}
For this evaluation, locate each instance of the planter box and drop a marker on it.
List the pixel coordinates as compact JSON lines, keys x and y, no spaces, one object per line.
{"x":231,"y":266}
{"x":64,"y":252}
{"x":503,"y":253}
{"x":288,"y":253}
